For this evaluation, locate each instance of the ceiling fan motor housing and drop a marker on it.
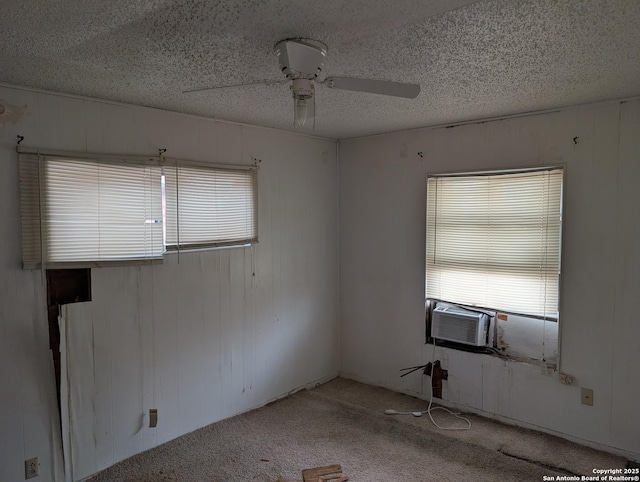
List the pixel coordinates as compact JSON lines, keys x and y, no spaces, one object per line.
{"x":301,"y":58}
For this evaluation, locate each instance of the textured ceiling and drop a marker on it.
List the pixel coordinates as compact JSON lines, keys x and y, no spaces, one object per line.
{"x":472,"y":59}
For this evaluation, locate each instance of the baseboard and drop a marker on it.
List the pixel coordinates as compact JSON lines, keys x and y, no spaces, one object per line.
{"x":631,"y":456}
{"x":307,"y":386}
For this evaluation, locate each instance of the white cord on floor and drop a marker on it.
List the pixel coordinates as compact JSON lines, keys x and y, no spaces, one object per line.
{"x":390,"y":411}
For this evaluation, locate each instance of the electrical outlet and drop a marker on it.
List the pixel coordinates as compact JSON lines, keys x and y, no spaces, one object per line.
{"x":587,"y":396}
{"x":153,"y":417}
{"x":31,"y":468}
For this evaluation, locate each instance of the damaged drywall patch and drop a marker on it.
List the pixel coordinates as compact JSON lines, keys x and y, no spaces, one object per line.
{"x":10,"y":113}
{"x":437,"y":374}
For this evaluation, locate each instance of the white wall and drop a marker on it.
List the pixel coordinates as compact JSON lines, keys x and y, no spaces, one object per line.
{"x":382,"y":254}
{"x":198,"y":338}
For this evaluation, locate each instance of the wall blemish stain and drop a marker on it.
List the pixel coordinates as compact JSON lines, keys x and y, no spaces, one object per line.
{"x":10,"y":113}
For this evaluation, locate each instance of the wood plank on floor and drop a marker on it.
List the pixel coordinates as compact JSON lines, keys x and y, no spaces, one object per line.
{"x":315,"y":474}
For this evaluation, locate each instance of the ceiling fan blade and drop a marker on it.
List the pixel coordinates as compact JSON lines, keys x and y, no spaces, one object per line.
{"x":263,"y":82}
{"x":396,"y":89}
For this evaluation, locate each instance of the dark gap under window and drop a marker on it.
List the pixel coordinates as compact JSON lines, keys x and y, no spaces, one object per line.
{"x":64,"y":286}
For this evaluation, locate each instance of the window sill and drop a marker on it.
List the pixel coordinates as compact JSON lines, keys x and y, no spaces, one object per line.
{"x":174,"y":251}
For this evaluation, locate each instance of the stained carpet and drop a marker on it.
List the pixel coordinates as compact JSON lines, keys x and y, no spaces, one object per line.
{"x":342,"y":422}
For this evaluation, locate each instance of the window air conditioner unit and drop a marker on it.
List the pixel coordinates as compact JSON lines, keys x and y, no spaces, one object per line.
{"x":451,"y":323}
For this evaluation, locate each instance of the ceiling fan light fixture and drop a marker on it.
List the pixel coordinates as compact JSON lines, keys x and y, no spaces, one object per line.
{"x":299,"y":112}
{"x":303,"y":91}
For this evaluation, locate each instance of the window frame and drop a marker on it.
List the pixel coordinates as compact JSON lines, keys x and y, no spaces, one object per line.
{"x":33,"y":211}
{"x":36,"y":259}
{"x":173,"y":163}
{"x":496,"y":172}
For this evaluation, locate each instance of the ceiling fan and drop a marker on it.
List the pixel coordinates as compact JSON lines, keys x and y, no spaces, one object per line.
{"x":302,"y":61}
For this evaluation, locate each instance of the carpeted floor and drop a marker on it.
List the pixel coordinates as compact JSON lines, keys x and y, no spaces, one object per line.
{"x":342,"y":422}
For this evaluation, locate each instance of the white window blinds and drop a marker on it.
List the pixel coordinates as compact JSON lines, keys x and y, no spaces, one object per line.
{"x":210,"y":206}
{"x":494,"y":240}
{"x":88,"y":212}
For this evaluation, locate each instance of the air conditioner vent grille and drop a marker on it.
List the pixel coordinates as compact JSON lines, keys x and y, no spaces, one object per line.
{"x":459,"y":326}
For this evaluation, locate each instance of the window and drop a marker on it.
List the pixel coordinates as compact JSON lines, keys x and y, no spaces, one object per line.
{"x":81,"y":211}
{"x":210,"y":206}
{"x":90,"y":211}
{"x":493,"y":240}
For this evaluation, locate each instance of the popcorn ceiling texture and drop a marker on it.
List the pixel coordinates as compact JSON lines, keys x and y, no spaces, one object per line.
{"x":472,"y":59}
